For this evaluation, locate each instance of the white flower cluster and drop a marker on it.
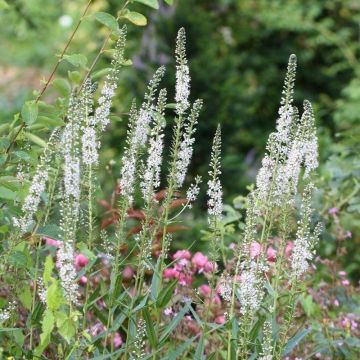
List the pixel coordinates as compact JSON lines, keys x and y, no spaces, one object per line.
{"x":37,"y":187}
{"x":215,"y":203}
{"x":305,"y":240}
{"x":67,"y":272}
{"x":33,"y":199}
{"x":182,"y":90}
{"x":90,"y":146}
{"x":225,"y":287}
{"x":266,"y":347}
{"x":186,"y":145}
{"x":151,"y":176}
{"x":102,"y":112}
{"x":251,"y":290}
{"x":291,"y":148}
{"x":193,"y":191}
{"x":5,"y":313}
{"x":41,"y":290}
{"x":139,"y":352}
{"x":137,"y":136}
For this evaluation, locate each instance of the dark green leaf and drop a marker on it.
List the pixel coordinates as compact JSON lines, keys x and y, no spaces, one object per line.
{"x":294,"y":341}
{"x":150,"y":328}
{"x":78,"y":60}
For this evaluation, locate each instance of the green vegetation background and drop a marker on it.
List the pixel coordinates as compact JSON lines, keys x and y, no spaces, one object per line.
{"x":238,"y":50}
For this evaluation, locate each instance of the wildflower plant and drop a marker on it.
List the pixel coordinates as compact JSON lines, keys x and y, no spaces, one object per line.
{"x":120,"y":293}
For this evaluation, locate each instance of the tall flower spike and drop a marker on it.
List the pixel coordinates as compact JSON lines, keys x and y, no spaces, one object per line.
{"x":305,"y":239}
{"x":215,"y":205}
{"x":37,"y":187}
{"x":102,"y":112}
{"x":151,"y":176}
{"x":186,"y":146}
{"x":138,"y":135}
{"x":182,"y":75}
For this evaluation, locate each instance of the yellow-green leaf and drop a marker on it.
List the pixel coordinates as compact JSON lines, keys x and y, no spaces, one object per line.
{"x":136,"y":18}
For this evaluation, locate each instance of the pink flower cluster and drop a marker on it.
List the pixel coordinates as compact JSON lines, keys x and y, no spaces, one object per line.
{"x":187,"y":265}
{"x":256,"y":249}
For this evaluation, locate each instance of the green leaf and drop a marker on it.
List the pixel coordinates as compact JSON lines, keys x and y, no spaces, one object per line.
{"x":199,"y":353}
{"x":50,"y":230}
{"x":78,"y":60}
{"x":107,"y":20}
{"x":136,"y":18}
{"x":150,"y":328}
{"x":151,"y":3}
{"x":166,"y":294}
{"x":75,"y":77}
{"x":169,"y":2}
{"x":3,"y":5}
{"x":18,"y":259}
{"x":6,"y":193}
{"x":48,"y":322}
{"x":66,"y":326}
{"x":294,"y":341}
{"x":35,"y":139}
{"x":29,"y":112}
{"x":54,"y":296}
{"x":175,"y":354}
{"x":62,"y":86}
{"x":155,"y":283}
{"x":48,"y":268}
{"x":26,"y":297}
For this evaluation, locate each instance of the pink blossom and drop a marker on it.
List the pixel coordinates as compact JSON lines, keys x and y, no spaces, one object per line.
{"x":271,"y":254}
{"x":83,"y":280}
{"x":170,"y":273}
{"x":182,"y":254}
{"x":204,"y":290}
{"x":255,"y":249}
{"x":52,"y":242}
{"x":288,"y":248}
{"x":220,"y":319}
{"x":336,"y":302}
{"x":199,"y":261}
{"x":232,"y":246}
{"x":348,"y":234}
{"x":342,"y":273}
{"x":333,"y":211}
{"x":128,"y":273}
{"x":354,"y":325}
{"x":80,"y":261}
{"x":209,"y":267}
{"x":117,"y":340}
{"x":185,"y":279}
{"x":216,"y":300}
{"x":168,"y":311}
{"x":345,"y":282}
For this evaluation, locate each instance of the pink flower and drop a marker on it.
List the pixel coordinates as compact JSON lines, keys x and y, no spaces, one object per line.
{"x":271,"y":254}
{"x":168,"y":311}
{"x":204,"y":290}
{"x":185,"y":279}
{"x":83,"y":280}
{"x":348,"y":234}
{"x":220,"y":319}
{"x":342,"y":273}
{"x":80,"y":261}
{"x":255,"y":249}
{"x":199,"y":261}
{"x":232,"y":246}
{"x":117,"y":340}
{"x":52,"y":242}
{"x":333,"y":211}
{"x":336,"y":302}
{"x":209,"y":267}
{"x":216,"y":300}
{"x":354,"y":325}
{"x":345,"y":282}
{"x":128,"y":273}
{"x":288,"y":248}
{"x":170,"y":273}
{"x":182,"y":254}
